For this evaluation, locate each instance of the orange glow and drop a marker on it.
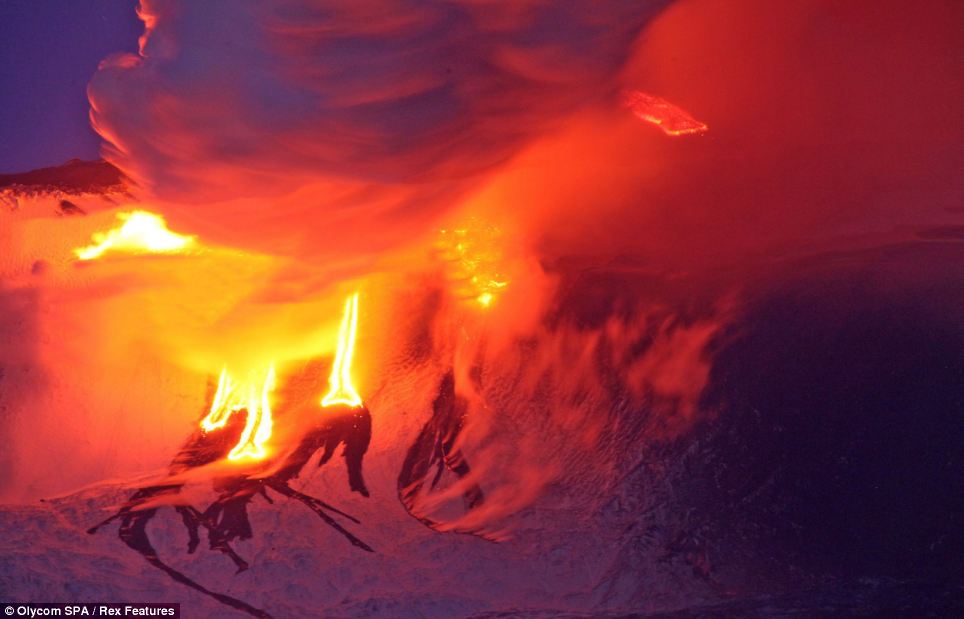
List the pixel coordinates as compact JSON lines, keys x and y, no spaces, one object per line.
{"x":251,"y":397}
{"x":475,"y":253}
{"x":663,"y":114}
{"x":340,"y":388}
{"x":141,"y":233}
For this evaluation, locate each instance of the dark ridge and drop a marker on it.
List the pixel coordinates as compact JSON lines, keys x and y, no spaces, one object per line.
{"x":75,"y":176}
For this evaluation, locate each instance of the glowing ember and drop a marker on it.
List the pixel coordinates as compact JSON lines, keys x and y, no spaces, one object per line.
{"x":252,"y":397}
{"x":141,"y":233}
{"x":660,"y":112}
{"x":475,"y":253}
{"x":340,"y":388}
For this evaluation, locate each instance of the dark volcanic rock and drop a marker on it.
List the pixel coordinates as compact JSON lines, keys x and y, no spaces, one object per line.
{"x":75,"y":176}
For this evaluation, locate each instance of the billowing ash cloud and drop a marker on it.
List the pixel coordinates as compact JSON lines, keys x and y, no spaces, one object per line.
{"x":324,"y":129}
{"x":381,"y":110}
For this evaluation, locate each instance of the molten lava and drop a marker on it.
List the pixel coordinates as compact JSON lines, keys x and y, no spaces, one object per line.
{"x":663,"y":114}
{"x":140,"y":233}
{"x":340,"y":388}
{"x":252,"y":396}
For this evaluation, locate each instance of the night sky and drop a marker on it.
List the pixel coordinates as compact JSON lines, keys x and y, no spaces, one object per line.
{"x":48,"y":52}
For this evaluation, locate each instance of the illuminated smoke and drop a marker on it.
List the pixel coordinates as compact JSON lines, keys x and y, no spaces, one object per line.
{"x":299,"y":119}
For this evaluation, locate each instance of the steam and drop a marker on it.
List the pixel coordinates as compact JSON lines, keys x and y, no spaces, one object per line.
{"x":572,"y":403}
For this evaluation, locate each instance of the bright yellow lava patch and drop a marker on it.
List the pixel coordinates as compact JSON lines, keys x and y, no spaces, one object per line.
{"x":140,"y":233}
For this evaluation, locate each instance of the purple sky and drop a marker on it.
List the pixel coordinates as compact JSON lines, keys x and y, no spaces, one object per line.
{"x":48,"y":51}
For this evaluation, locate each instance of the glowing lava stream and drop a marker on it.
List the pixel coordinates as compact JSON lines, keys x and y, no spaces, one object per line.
{"x":340,"y":388}
{"x":232,"y":397}
{"x":254,"y":398}
{"x":141,"y":233}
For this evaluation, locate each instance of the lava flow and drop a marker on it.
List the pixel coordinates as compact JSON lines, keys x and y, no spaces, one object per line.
{"x":232,"y":397}
{"x":341,"y":390}
{"x":347,"y":423}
